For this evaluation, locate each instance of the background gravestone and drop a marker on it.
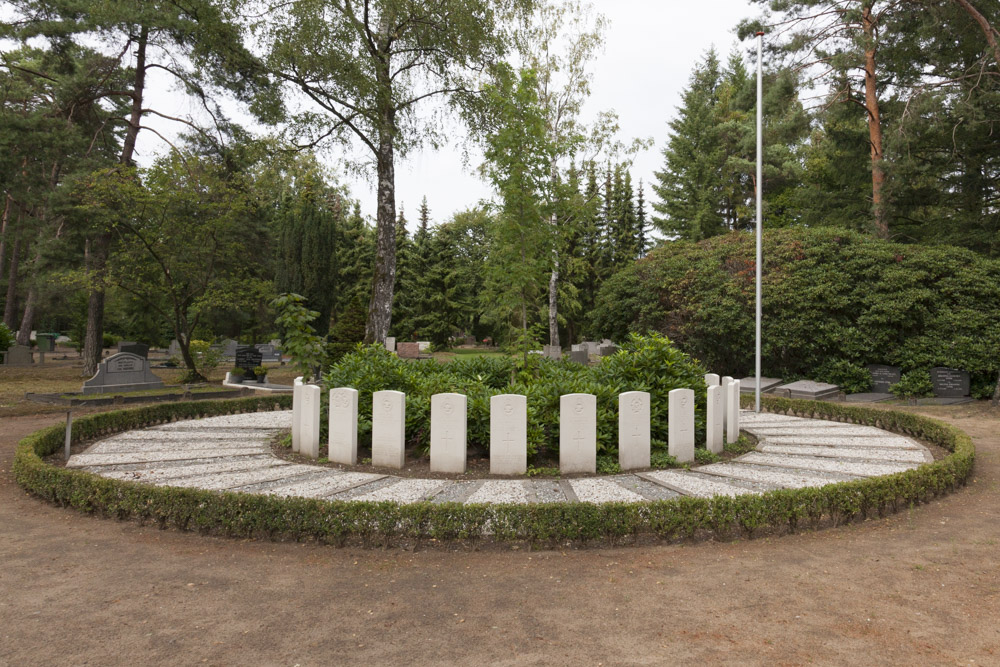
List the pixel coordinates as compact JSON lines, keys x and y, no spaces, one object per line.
{"x":408,"y":350}
{"x":123,"y":343}
{"x":138,"y":349}
{"x":229,"y":347}
{"x":810,"y":390}
{"x":390,"y":343}
{"x":268,"y":352}
{"x":249,"y":358}
{"x":748,"y":385}
{"x":884,"y":377}
{"x":122,"y":372}
{"x":552,"y":352}
{"x":950,"y":382}
{"x":17,"y":355}
{"x":608,"y":349}
{"x":175,"y":348}
{"x":46,"y":342}
{"x":580,"y":357}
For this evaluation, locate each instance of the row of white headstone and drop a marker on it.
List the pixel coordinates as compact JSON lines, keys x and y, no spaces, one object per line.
{"x":509,"y":427}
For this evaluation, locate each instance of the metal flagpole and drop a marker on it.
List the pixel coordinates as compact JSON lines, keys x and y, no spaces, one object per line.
{"x":760,"y":187}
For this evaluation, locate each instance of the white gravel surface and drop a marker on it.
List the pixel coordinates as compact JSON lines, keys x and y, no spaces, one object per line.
{"x":158,"y":475}
{"x":234,"y":480}
{"x":405,"y":491}
{"x":788,"y":479}
{"x":868,"y":453}
{"x":898,"y":442}
{"x":859,"y":468}
{"x":500,"y":491}
{"x":692,"y":485}
{"x":84,"y":460}
{"x":598,"y":490}
{"x":333,"y":482}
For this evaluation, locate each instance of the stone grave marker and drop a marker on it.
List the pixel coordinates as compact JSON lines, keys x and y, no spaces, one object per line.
{"x":123,"y":343}
{"x":508,"y":434}
{"x":249,"y":358}
{"x":296,"y":410}
{"x":229,"y":347}
{"x":17,"y":355}
{"x":423,"y":345}
{"x":343,"y":426}
{"x":733,"y":412}
{"x":950,"y":382}
{"x":724,"y":382}
{"x":389,"y":428}
{"x":633,"y":430}
{"x":884,"y":377}
{"x":138,"y":349}
{"x":309,"y":416}
{"x":268,"y":352}
{"x":408,"y":350}
{"x":448,"y":433}
{"x":47,"y":343}
{"x":711,"y":379}
{"x":810,"y":390}
{"x":578,"y":433}
{"x":748,"y":385}
{"x":552,"y":352}
{"x":680,"y":424}
{"x":608,"y":349}
{"x":580,"y":357}
{"x":713,"y":422}
{"x":175,"y":348}
{"x":122,"y":372}
{"x":390,"y":343}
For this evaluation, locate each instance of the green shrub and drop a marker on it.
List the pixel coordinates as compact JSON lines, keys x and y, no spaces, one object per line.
{"x":6,"y":337}
{"x":915,"y":384}
{"x":110,"y":340}
{"x":852,"y":378}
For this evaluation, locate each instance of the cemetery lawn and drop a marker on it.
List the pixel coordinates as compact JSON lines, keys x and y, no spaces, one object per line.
{"x":918,"y":587}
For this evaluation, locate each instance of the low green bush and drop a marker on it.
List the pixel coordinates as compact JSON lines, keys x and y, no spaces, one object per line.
{"x":915,"y":384}
{"x":547,"y":524}
{"x":6,"y":337}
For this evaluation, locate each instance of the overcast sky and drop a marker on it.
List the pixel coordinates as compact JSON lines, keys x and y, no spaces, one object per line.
{"x":650,"y":49}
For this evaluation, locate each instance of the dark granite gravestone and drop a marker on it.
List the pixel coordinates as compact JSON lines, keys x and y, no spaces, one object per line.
{"x":123,"y":343}
{"x":579,"y":356}
{"x":949,"y":382}
{"x":122,"y":372}
{"x":138,"y":349}
{"x":17,"y":355}
{"x":608,"y":349}
{"x":268,"y":352}
{"x":249,"y":358}
{"x":884,"y":377}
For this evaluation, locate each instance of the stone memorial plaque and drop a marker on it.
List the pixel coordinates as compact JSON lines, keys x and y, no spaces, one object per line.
{"x":508,"y":434}
{"x":120,"y":373}
{"x":810,"y":390}
{"x":552,"y":352}
{"x":733,"y":412}
{"x":713,"y":421}
{"x":608,"y":350}
{"x":17,"y":355}
{"x":343,"y":426}
{"x":448,"y":433}
{"x":633,"y":430}
{"x":249,"y":358}
{"x":407,"y":350}
{"x":296,"y":409}
{"x":580,"y":357}
{"x":138,"y":349}
{"x":390,"y":343}
{"x":680,"y":424}
{"x":711,"y":379}
{"x":309,"y":416}
{"x":748,"y":385}
{"x":884,"y":377}
{"x":949,"y":382}
{"x":578,"y":433}
{"x":389,"y":429}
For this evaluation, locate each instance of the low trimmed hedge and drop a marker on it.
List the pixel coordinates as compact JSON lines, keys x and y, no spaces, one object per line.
{"x":385,"y":523}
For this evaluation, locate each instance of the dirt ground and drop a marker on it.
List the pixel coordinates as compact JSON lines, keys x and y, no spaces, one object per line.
{"x":919,"y":587}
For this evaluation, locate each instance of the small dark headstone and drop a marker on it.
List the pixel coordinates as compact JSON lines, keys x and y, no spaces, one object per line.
{"x":138,"y":349}
{"x":607,"y":349}
{"x":249,"y":358}
{"x":579,"y":356}
{"x":949,"y":382}
{"x":884,"y":377}
{"x":123,"y":343}
{"x":17,"y":355}
{"x":46,"y":342}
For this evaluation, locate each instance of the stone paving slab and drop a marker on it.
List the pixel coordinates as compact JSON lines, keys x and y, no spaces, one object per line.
{"x":234,"y":480}
{"x":129,"y":446}
{"x":165,"y":475}
{"x":688,"y":484}
{"x":235,"y":462}
{"x":276,"y":420}
{"x":858,"y":468}
{"x":500,"y":491}
{"x":320,"y":487}
{"x":866,"y":453}
{"x":789,"y":479}
{"x":405,"y":490}
{"x":809,"y":430}
{"x":602,"y":490}
{"x":897,"y":442}
{"x":644,"y":487}
{"x":85,"y":460}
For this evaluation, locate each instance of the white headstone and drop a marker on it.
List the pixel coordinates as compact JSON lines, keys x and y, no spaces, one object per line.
{"x":508,"y":434}
{"x":343,"y":426}
{"x":296,"y":410}
{"x":733,"y":412}
{"x":423,"y":345}
{"x":711,"y":379}
{"x":578,"y":433}
{"x":633,"y":430}
{"x":309,"y":416}
{"x":680,"y":427}
{"x":390,"y":343}
{"x":448,"y":433}
{"x":724,"y":382}
{"x":713,"y":422}
{"x":389,"y":429}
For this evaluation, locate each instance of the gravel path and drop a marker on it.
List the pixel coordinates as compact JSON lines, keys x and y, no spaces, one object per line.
{"x":233,"y":453}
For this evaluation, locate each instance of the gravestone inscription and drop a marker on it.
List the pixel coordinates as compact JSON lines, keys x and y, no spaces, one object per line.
{"x":448,"y":433}
{"x":249,"y":358}
{"x":950,"y":382}
{"x":884,"y":377}
{"x":508,"y":434}
{"x":122,"y":372}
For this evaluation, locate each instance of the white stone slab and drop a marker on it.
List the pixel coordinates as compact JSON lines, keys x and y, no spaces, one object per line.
{"x":633,"y":430}
{"x":680,"y":424}
{"x":405,"y":491}
{"x":809,"y":430}
{"x":713,"y":421}
{"x":692,"y":485}
{"x":117,"y":446}
{"x":84,"y":460}
{"x":296,"y":410}
{"x":342,"y":428}
{"x":598,"y":490}
{"x":232,"y":480}
{"x":498,"y":491}
{"x":161,"y":475}
{"x":711,"y":379}
{"x":898,"y":442}
{"x":321,"y":487}
{"x":733,"y":411}
{"x":448,"y":433}
{"x":508,"y":434}
{"x":724,"y":382}
{"x":389,"y":429}
{"x":578,"y":433}
{"x":867,"y":453}
{"x":270,"y":420}
{"x":859,"y":468}
{"x":309,"y":416}
{"x":788,"y":479}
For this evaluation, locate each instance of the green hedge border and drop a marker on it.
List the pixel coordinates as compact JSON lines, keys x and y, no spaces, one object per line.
{"x":246,"y":515}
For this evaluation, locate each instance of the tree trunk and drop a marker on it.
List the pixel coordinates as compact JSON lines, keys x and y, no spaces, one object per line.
{"x":874,"y":124}
{"x":3,"y":232}
{"x":553,"y":301}
{"x":984,"y":24}
{"x":10,"y":306}
{"x":24,"y":333}
{"x":380,"y":306}
{"x":93,"y":344}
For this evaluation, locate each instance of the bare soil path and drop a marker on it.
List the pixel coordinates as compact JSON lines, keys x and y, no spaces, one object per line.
{"x":919,"y":587}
